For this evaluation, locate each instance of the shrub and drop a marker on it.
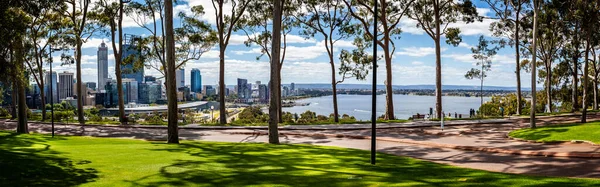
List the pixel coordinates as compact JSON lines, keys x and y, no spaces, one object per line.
{"x":4,"y":112}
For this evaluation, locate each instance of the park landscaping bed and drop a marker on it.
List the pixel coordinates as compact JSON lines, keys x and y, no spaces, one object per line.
{"x":39,"y":160}
{"x":561,"y":133}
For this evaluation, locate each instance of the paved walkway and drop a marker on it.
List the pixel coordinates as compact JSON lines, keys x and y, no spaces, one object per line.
{"x":520,"y":164}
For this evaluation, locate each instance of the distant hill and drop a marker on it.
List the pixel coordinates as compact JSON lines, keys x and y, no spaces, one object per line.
{"x":407,"y":87}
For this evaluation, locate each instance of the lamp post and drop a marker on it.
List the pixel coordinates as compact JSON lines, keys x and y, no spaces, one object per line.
{"x":212,"y":108}
{"x":51,"y":90}
{"x":374,"y":94}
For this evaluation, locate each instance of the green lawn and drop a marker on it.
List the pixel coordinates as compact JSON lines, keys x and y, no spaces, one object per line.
{"x":587,"y":131}
{"x":38,"y":160}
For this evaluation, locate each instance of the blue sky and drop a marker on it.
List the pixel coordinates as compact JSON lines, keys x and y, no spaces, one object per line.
{"x":306,"y":61}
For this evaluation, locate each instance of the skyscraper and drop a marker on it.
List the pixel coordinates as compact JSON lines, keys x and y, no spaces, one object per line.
{"x":242,"y":89}
{"x":102,"y":65}
{"x":180,"y":78}
{"x":65,"y":85}
{"x":129,"y":71}
{"x":196,"y":80}
{"x":54,"y":81}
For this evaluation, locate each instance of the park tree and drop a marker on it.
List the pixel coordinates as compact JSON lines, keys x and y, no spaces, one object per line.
{"x":15,"y":20}
{"x":111,"y":14}
{"x":591,"y":24}
{"x":510,"y":17}
{"x":274,"y":103}
{"x":80,"y":29}
{"x":226,"y":24}
{"x":193,"y":38}
{"x":536,"y":5}
{"x":595,"y":59}
{"x":570,"y":12}
{"x":389,"y":17}
{"x":434,"y":17}
{"x":331,"y":20}
{"x":172,"y":130}
{"x":42,"y":32}
{"x":550,"y":41}
{"x":483,"y":53}
{"x":255,"y":25}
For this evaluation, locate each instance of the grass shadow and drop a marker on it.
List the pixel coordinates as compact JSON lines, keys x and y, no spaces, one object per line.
{"x":27,"y":160}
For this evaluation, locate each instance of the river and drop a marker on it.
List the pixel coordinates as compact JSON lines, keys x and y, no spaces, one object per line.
{"x":405,"y":106}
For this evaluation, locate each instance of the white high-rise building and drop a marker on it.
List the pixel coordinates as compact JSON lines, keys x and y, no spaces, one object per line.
{"x":180,"y":78}
{"x":102,"y":66}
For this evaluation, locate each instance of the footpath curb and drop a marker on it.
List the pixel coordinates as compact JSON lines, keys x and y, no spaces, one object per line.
{"x":441,"y":145}
{"x":303,"y":127}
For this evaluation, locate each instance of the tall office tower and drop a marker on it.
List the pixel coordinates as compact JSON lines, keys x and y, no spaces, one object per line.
{"x":196,"y":80}
{"x":180,"y":78}
{"x":65,"y":85}
{"x":130,"y":90}
{"x":293,"y":86}
{"x":102,"y":65}
{"x":47,"y":83}
{"x":263,"y":93}
{"x":242,"y":86}
{"x":130,"y":52}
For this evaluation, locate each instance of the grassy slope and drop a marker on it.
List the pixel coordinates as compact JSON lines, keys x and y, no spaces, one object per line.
{"x":588,"y":131}
{"x":38,"y":160}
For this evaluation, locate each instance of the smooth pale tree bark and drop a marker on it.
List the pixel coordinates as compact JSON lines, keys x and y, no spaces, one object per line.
{"x":275,"y":81}
{"x":584,"y":102}
{"x":518,"y":61}
{"x":533,"y":65}
{"x":225,"y":28}
{"x":172,"y":134}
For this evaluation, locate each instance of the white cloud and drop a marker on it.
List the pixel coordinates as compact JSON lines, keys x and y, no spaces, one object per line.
{"x":501,"y":59}
{"x":417,"y":63}
{"x":418,"y":51}
{"x":465,"y":45}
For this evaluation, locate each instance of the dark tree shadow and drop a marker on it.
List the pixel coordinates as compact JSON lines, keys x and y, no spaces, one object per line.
{"x":22,"y":165}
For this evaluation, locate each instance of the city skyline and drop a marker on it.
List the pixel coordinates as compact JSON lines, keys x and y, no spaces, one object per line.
{"x":306,"y":60}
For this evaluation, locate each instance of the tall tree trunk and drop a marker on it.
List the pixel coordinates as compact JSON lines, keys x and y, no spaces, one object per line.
{"x":518,"y":63}
{"x":574,"y":94}
{"x":13,"y":97}
{"x":595,"y":92}
{"x":79,"y":88}
{"x":438,"y":62}
{"x":20,"y":83}
{"x":223,"y":111}
{"x":275,"y":91}
{"x":172,"y":134}
{"x":533,"y":66}
{"x":118,"y":61}
{"x":481,"y":84}
{"x":279,"y":109}
{"x":584,"y":102}
{"x":22,"y":124}
{"x":40,"y":84}
{"x":336,"y":115}
{"x":549,"y":85}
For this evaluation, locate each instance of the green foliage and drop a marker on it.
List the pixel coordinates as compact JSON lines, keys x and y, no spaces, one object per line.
{"x":4,"y":113}
{"x":509,"y":103}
